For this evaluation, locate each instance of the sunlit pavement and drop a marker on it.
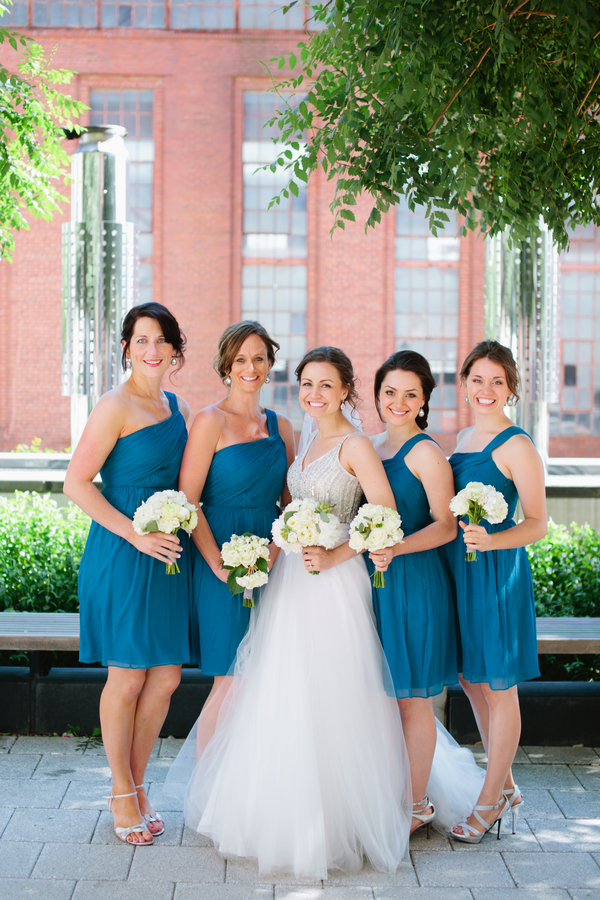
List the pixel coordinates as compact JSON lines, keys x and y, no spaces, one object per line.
{"x":57,"y":843}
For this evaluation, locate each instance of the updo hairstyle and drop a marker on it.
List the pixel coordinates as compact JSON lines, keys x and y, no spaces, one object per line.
{"x":407,"y":361}
{"x":340,"y":361}
{"x":168,"y":323}
{"x":232,"y":339}
{"x":500,"y":354}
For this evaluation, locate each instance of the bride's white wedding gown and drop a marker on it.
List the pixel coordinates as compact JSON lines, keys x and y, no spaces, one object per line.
{"x":307,"y":770}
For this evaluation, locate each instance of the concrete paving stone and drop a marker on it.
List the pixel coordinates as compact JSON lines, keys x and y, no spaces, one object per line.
{"x":161,"y":801}
{"x":75,"y":768}
{"x":171,"y":746}
{"x":17,"y":860}
{"x":589,"y":776}
{"x":27,"y":743}
{"x":570,"y":835}
{"x":64,"y":826}
{"x":422,"y":893}
{"x":579,"y":804}
{"x":244,"y":871}
{"x":579,"y":756}
{"x":585,"y":894}
{"x":99,"y":750}
{"x":26,"y":889}
{"x":352,"y":892}
{"x":157,"y":768}
{"x":177,"y":864}
{"x":104,"y":833}
{"x":81,"y":795}
{"x":553,"y":870}
{"x":437,"y":841}
{"x":224,"y":892}
{"x":191,"y":838}
{"x":524,"y":894}
{"x":539,"y":805}
{"x":5,"y":814}
{"x":27,"y":792}
{"x":89,"y":862}
{"x":368,"y":876}
{"x":6,"y":742}
{"x":452,"y":870}
{"x":123,"y":890}
{"x":549,"y":777}
{"x":523,"y":841}
{"x":480,"y":755}
{"x":18,"y":766}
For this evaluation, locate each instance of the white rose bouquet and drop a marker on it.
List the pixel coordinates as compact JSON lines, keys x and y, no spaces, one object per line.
{"x":306,"y":523}
{"x":247,"y":558}
{"x":479,"y":501}
{"x":374,"y":528}
{"x":167,"y":512}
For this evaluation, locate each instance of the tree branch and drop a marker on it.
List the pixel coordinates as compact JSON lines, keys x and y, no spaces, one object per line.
{"x":588,"y":94}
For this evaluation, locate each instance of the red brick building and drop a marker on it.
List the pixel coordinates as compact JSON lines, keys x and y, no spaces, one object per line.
{"x":187,"y":79}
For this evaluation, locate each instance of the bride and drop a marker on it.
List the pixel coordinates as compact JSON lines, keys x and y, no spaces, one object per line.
{"x":307,"y":769}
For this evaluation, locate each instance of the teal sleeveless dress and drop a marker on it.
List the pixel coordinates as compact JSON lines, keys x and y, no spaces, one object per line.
{"x":494,"y":596}
{"x":414,"y":611}
{"x":132,"y":614}
{"x":240,"y":494}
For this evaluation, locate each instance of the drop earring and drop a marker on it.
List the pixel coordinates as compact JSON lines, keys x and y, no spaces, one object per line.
{"x":343,"y":404}
{"x":466,"y":399}
{"x":421,"y":413}
{"x":127,"y":363}
{"x":227,"y":381}
{"x":174,"y":361}
{"x":268,"y":379}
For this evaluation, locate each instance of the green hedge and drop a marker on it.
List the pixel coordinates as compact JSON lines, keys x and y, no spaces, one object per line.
{"x":41,"y":547}
{"x":40,"y":551}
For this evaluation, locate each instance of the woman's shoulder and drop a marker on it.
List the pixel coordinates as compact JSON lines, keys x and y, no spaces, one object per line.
{"x":463,"y":434}
{"x":182,"y":405}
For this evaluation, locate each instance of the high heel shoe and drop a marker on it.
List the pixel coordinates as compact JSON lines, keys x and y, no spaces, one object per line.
{"x":424,"y":818}
{"x":152,"y":817}
{"x":123,"y":832}
{"x":516,"y":800}
{"x":472,"y":835}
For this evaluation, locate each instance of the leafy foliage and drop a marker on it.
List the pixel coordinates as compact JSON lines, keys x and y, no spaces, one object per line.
{"x":487,"y":108}
{"x":40,"y":551}
{"x":32,"y":159}
{"x":566,"y":571}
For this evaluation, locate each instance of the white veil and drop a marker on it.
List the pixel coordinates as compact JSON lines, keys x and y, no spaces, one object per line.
{"x":309,"y":426}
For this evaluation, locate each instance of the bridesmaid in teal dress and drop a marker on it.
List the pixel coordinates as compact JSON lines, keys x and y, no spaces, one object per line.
{"x":494,"y":595}
{"x":414,"y":611}
{"x":235,"y":462}
{"x":134,"y":617}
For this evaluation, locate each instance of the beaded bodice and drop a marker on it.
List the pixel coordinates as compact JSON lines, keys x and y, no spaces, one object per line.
{"x":326,"y":479}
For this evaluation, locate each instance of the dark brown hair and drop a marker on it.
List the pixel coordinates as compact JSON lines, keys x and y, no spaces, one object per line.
{"x":340,"y":361}
{"x":498,"y":353}
{"x":407,"y":361}
{"x":232,"y":339}
{"x":172,"y":333}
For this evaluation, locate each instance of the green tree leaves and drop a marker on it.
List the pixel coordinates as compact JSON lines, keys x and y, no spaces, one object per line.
{"x":32,"y":159}
{"x":486,"y":108}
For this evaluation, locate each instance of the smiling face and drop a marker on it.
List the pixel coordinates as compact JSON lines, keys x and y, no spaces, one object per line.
{"x":321,"y":389}
{"x":150,"y":354}
{"x":487,"y":387}
{"x":401,"y":397}
{"x":250,"y":366}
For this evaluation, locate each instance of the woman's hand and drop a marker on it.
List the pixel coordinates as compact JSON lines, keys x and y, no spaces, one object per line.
{"x":317,"y":559}
{"x":164,"y":547}
{"x":476,"y":537}
{"x":220,"y":573}
{"x":381,"y":559}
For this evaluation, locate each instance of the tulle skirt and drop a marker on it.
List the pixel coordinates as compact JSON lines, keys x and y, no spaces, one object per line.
{"x":307,"y":770}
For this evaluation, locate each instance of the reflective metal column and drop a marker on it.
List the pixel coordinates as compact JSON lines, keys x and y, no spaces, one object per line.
{"x":99,"y":271}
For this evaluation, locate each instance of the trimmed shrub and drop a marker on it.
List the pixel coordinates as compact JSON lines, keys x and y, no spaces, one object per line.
{"x":40,"y":550}
{"x":566,"y":571}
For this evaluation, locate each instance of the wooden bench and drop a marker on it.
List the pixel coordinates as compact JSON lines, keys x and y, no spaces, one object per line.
{"x":36,"y":632}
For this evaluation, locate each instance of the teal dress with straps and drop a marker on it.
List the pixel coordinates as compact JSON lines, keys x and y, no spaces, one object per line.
{"x":240,"y":494}
{"x":494,"y":595}
{"x":414,"y":611}
{"x":132,"y":614}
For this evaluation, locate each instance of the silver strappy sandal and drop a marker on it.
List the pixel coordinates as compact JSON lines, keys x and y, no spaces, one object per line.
{"x":472,"y":835}
{"x":152,"y":817}
{"x":123,"y":832}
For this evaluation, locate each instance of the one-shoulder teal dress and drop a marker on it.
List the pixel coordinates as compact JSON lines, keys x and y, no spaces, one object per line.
{"x":414,"y":611}
{"x":132,"y":614}
{"x":494,"y":595}
{"x":240,"y":494}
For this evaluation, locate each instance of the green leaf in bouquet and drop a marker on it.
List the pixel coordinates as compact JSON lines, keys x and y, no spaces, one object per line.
{"x":262,"y":564}
{"x":324,"y":516}
{"x":151,"y":526}
{"x":247,"y":534}
{"x":318,"y":528}
{"x":232,"y":584}
{"x":287,"y":516}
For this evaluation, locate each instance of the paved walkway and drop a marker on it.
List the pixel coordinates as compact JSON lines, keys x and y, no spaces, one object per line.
{"x":56,"y":840}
